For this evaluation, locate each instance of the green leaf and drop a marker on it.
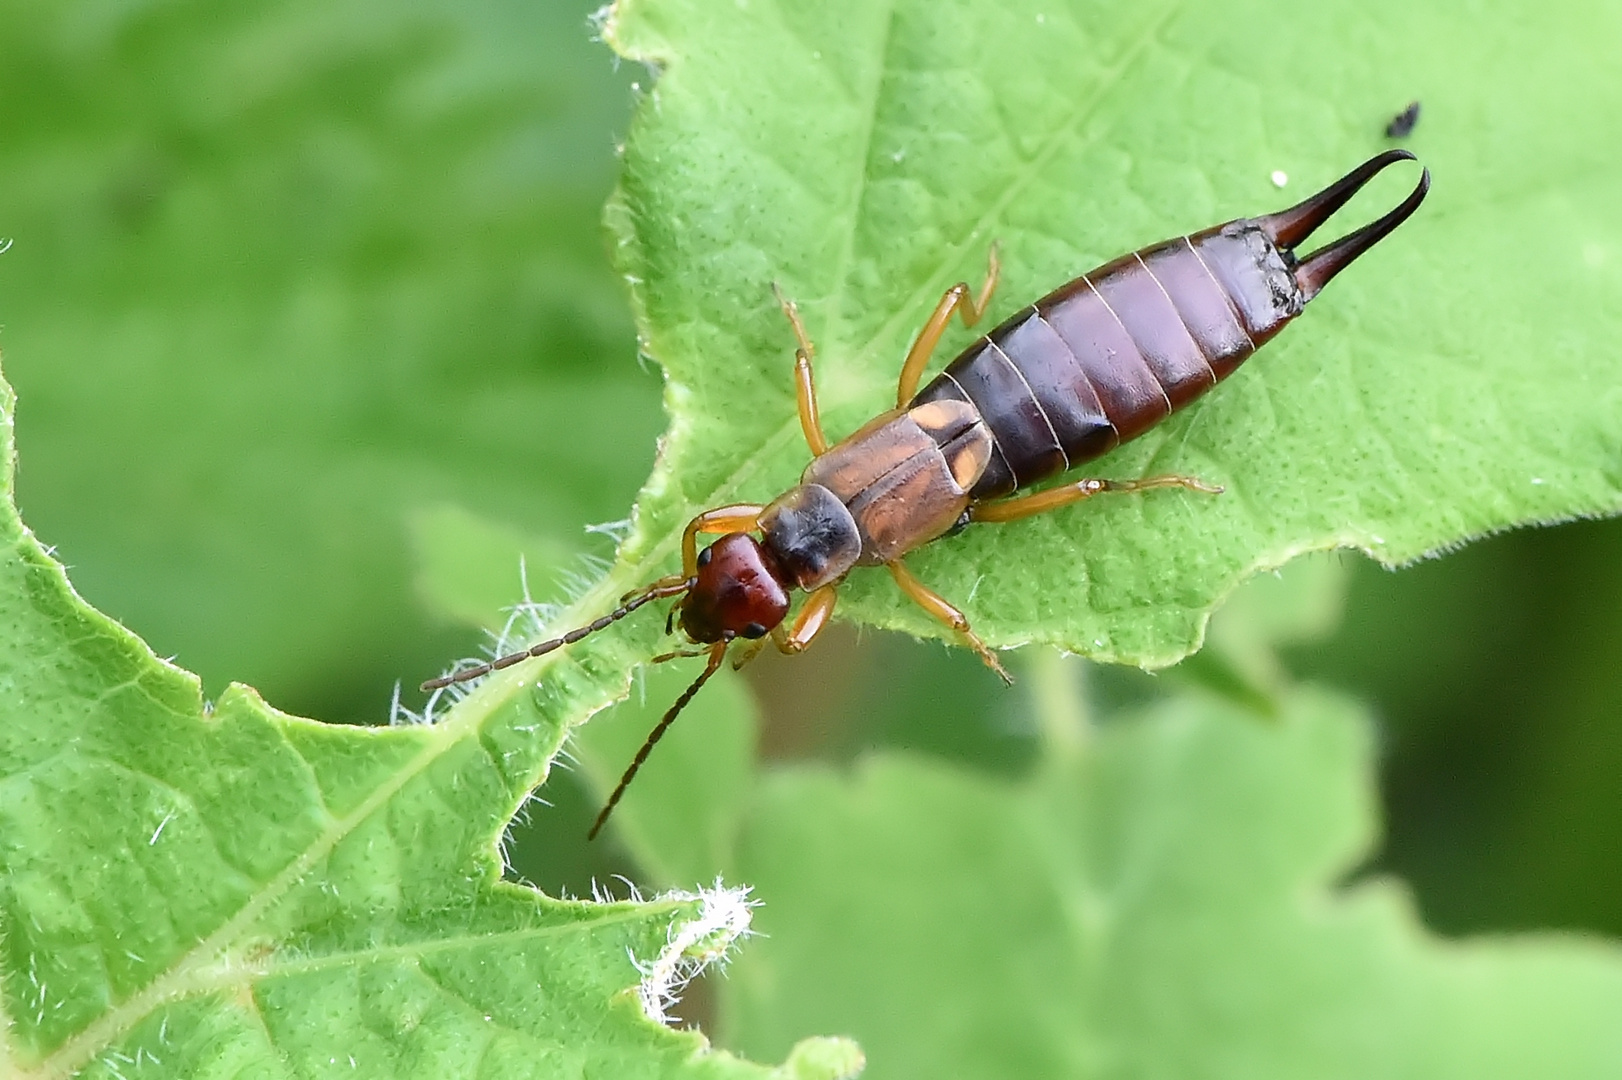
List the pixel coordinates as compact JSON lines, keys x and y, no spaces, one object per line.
{"x":1160,"y":900}
{"x":1166,"y":895}
{"x":286,"y":277}
{"x":682,"y":816}
{"x":1461,"y":378}
{"x":471,"y":569}
{"x":197,"y":891}
{"x":1298,"y":602}
{"x":1499,"y":694}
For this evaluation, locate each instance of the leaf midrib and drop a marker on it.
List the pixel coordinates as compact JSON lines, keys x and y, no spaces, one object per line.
{"x":77,"y":1051}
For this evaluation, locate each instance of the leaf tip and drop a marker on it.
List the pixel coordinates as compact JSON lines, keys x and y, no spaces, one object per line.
{"x":823,"y":1058}
{"x":693,"y":944}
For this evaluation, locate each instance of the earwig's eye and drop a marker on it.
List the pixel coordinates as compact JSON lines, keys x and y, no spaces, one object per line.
{"x":754,"y":630}
{"x":704,"y":557}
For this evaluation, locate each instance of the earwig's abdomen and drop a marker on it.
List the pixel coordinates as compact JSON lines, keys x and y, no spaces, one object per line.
{"x":1117,"y":350}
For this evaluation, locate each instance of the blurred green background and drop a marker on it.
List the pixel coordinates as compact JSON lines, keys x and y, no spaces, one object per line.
{"x":303,"y":297}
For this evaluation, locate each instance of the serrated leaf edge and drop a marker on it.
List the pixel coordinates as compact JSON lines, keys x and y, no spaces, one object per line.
{"x":694,"y":944}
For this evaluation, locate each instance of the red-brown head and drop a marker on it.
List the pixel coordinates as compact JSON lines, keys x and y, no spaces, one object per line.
{"x":740,"y":591}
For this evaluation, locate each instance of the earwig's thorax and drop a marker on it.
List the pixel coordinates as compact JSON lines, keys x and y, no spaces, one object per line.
{"x":812,"y":534}
{"x":741,"y":591}
{"x":902,"y":480}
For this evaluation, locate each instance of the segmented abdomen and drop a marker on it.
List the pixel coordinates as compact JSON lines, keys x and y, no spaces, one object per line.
{"x":1115,"y":351}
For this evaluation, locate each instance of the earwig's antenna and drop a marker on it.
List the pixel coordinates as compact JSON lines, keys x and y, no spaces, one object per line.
{"x":717,"y":651}
{"x":630,"y":602}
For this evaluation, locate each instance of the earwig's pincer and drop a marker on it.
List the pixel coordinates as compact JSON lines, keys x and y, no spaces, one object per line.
{"x":1290,"y":228}
{"x":1089,"y":366}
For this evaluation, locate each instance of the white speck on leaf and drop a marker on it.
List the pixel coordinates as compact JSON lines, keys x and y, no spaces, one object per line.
{"x":1280,"y":178}
{"x":159,"y":830}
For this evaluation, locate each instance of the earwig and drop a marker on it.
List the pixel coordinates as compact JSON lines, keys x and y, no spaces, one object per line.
{"x":1091,"y":365}
{"x":1402,"y":125}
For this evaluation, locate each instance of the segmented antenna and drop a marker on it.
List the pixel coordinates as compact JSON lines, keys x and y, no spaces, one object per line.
{"x":657,"y":591}
{"x":718,"y":652}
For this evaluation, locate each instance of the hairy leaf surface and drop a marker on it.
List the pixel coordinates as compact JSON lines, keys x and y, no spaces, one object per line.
{"x":194,"y":890}
{"x":1158,"y":901}
{"x":1461,"y":378}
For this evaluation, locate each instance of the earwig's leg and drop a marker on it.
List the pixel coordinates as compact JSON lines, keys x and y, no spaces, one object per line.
{"x":742,"y":654}
{"x":805,"y":387}
{"x":946,"y":613}
{"x":956,"y":298}
{"x":663,"y":583}
{"x":680,"y":654}
{"x":739,"y":517}
{"x":1043,"y":501}
{"x":819,"y":606}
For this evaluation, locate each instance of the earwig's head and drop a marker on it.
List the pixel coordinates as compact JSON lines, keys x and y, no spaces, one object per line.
{"x":740,"y":592}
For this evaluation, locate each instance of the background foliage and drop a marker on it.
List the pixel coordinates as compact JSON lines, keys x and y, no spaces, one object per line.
{"x":313,"y":327}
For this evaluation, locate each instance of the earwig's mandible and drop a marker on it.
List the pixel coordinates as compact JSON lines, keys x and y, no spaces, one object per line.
{"x":1067,"y":379}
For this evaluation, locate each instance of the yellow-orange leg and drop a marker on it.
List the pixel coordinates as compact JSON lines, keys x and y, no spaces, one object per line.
{"x":669,"y":581}
{"x":946,"y":613}
{"x":819,"y":606}
{"x":742,"y":654}
{"x":956,"y":299}
{"x":818,"y":609}
{"x":805,"y":387}
{"x":1026,"y":505}
{"x":739,"y":517}
{"x":680,"y":654}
